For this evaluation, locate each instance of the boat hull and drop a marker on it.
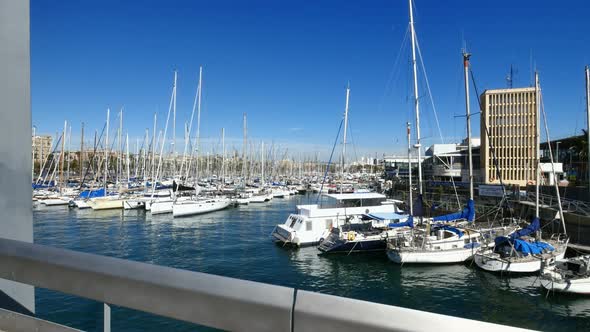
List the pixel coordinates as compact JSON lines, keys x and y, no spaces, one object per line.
{"x":105,"y":204}
{"x":354,"y":247}
{"x":190,"y":208}
{"x":492,"y":263}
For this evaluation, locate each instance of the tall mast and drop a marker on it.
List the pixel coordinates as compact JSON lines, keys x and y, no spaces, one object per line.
{"x":69,"y":156}
{"x":82,"y":151}
{"x":154,"y":148}
{"x":588,"y":113}
{"x":344,"y":137}
{"x":416,"y":100}
{"x":174,"y":126}
{"x":466,"y":57}
{"x":198,"y":138}
{"x":262,"y":163}
{"x":106,"y":153}
{"x":127,"y":161}
{"x":410,"y":170}
{"x":223,"y":156}
{"x":244,"y":151}
{"x":63,"y":152}
{"x":537,"y":146}
{"x":120,"y":150}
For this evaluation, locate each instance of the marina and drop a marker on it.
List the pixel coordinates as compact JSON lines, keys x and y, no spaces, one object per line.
{"x":191,"y":180}
{"x":236,"y":243}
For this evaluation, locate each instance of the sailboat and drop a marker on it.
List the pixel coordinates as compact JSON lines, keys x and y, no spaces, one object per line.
{"x":520,"y":252}
{"x":570,"y":275}
{"x":188,"y":206}
{"x":106,"y":202}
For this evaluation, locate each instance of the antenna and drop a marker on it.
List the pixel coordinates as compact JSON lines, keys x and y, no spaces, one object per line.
{"x":511,"y":76}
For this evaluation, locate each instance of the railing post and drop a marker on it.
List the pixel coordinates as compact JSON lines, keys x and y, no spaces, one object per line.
{"x":107,"y":318}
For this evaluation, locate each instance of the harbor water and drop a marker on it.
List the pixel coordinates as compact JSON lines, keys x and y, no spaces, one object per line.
{"x":236,"y":243}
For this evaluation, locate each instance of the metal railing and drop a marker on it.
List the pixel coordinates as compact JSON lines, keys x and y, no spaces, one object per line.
{"x":568,"y":205}
{"x":205,"y":299}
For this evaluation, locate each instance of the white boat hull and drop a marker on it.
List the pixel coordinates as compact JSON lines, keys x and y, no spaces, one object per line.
{"x":493,"y":263}
{"x":81,"y":204}
{"x":190,"y":208}
{"x":161,"y":207}
{"x":55,"y":201}
{"x":105,"y":203}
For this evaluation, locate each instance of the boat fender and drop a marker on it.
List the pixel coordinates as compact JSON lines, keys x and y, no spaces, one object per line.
{"x":350,"y":236}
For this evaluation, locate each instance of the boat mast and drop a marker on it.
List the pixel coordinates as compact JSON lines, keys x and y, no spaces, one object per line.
{"x":588,"y":113}
{"x":466,"y":57}
{"x":262,"y":164}
{"x":537,"y":146}
{"x":82,"y":151}
{"x":198,"y":138}
{"x":154,"y":147}
{"x":223,"y":156}
{"x":244,"y":151}
{"x":127,"y":148}
{"x":69,"y":156}
{"x":344,"y":137}
{"x":174,"y":127}
{"x":416,"y":100}
{"x":63,"y":153}
{"x":106,"y":154}
{"x":410,"y":170}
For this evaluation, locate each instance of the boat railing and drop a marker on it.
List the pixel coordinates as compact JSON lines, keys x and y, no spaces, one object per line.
{"x":204,"y":299}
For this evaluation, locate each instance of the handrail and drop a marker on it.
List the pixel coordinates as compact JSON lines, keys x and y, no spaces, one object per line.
{"x":205,"y":299}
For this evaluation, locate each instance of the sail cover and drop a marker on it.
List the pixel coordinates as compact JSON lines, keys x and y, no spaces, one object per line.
{"x":530,"y":229}
{"x":92,"y":193}
{"x":467,"y":213}
{"x":418,"y":206}
{"x":407,"y":223}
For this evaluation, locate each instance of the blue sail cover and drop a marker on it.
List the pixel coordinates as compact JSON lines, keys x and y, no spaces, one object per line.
{"x":530,"y":229}
{"x":407,"y":223}
{"x":41,"y":185}
{"x":467,"y":213}
{"x":449,"y":228}
{"x":92,"y":193}
{"x":525,"y":247}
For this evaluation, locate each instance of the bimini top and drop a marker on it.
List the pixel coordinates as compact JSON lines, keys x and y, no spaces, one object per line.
{"x":361,"y":195}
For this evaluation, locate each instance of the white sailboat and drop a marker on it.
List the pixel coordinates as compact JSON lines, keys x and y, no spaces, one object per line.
{"x":519,"y":252}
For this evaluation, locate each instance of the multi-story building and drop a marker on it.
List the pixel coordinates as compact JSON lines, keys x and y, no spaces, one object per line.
{"x":511,"y":119}
{"x":41,"y":148}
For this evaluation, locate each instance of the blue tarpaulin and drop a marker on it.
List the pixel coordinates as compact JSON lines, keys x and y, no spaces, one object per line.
{"x":530,"y":229}
{"x":92,"y":193}
{"x":467,"y":213}
{"x":407,"y":223}
{"x":524,"y":247}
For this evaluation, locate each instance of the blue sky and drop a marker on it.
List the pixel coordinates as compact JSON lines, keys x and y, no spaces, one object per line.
{"x":286,"y":64}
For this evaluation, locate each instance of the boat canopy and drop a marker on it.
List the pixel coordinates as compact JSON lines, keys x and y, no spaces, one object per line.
{"x":467,"y":213}
{"x":448,"y":228}
{"x":407,"y":223}
{"x":530,"y":229}
{"x":386,"y":216}
{"x":92,"y":193}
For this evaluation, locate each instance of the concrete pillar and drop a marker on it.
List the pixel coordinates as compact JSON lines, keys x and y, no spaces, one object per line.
{"x":15,"y":141}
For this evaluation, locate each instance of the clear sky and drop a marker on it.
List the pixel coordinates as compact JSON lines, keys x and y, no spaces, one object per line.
{"x":286,"y":64}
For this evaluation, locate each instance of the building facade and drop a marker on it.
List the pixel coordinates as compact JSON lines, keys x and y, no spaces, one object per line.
{"x":511,"y":119}
{"x":41,"y":148}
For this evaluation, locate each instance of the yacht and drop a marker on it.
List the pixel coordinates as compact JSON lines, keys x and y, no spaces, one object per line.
{"x":313,"y":223}
{"x":371,"y":235}
{"x":570,"y":275}
{"x":184,"y":208}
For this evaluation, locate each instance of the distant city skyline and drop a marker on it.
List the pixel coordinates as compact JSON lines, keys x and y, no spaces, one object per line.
{"x":287,"y":65}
